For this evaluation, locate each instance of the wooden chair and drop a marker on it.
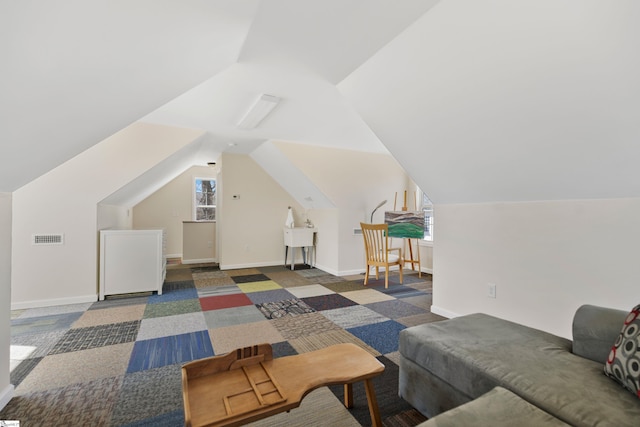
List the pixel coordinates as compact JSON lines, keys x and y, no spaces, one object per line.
{"x":378,"y":252}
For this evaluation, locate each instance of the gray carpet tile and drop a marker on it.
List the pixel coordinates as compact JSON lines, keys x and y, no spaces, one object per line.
{"x":212,"y":291}
{"x":350,"y":317}
{"x":232,"y":316}
{"x":24,"y":368}
{"x":171,"y":308}
{"x":147,"y":394}
{"x":270,"y":296}
{"x":85,"y":404}
{"x":54,"y":310}
{"x":119,"y":302}
{"x":304,"y":325}
{"x":96,"y":336}
{"x":178,"y":284}
{"x":43,"y":342}
{"x":344,"y":286}
{"x":395,"y":309}
{"x":44,"y":324}
{"x":291,"y":307}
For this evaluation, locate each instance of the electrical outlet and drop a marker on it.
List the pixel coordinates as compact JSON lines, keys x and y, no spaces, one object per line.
{"x":491,"y":290}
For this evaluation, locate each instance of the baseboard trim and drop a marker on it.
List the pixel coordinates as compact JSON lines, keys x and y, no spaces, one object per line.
{"x":6,"y":395}
{"x":443,"y":312}
{"x":249,"y":265}
{"x":335,"y":272}
{"x":54,"y":301}
{"x":361,"y":271}
{"x":198,"y":261}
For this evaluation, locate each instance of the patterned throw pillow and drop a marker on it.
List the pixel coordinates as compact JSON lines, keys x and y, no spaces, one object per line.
{"x":623,"y":364}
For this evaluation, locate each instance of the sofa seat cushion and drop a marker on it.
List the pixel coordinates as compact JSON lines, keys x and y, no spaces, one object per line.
{"x":497,"y":408}
{"x":477,"y":352}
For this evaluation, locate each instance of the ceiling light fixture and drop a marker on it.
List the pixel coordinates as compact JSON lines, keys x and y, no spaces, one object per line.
{"x":258,"y":111}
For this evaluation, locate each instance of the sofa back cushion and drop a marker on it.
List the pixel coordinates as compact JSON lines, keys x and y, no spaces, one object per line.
{"x":595,"y":329}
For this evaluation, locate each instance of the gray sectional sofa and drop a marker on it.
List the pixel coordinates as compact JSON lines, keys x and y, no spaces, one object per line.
{"x":447,"y":364}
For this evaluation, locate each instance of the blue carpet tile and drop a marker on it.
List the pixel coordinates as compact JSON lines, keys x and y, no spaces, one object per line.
{"x":158,"y":352}
{"x":176,"y":295}
{"x":383,"y":336}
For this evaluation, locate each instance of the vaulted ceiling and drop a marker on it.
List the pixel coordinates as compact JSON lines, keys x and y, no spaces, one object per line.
{"x":489,"y":100}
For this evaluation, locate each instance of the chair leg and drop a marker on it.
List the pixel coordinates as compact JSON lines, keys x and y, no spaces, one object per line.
{"x":386,"y":277}
{"x":401,"y":279}
{"x":366,"y":275}
{"x":377,"y":273}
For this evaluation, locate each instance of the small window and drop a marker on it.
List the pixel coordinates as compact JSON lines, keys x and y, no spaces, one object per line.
{"x":427,"y":208}
{"x":205,"y":199}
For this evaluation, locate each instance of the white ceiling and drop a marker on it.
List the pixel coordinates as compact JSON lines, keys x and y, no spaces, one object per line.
{"x":489,"y":100}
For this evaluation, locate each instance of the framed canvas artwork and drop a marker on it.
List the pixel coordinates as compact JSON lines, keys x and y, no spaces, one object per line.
{"x":405,"y":224}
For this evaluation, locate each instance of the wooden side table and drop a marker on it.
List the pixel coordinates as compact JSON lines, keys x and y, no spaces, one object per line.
{"x":249,"y":384}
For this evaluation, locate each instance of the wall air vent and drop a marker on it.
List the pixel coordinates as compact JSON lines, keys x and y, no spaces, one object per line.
{"x":47,"y":239}
{"x":357,"y":231}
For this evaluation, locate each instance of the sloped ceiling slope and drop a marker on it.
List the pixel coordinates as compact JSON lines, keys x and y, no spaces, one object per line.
{"x":510,"y":101}
{"x":328,"y":38}
{"x":297,"y":51}
{"x":76,"y":72}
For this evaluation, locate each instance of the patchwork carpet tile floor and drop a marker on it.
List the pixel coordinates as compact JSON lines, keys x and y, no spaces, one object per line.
{"x":117,"y":362}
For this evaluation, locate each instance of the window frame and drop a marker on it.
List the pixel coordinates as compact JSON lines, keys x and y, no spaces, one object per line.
{"x":194,"y":198}
{"x":427,"y":208}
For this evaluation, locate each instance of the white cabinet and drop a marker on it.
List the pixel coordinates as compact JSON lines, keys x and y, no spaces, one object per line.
{"x":131,"y":261}
{"x":299,"y":237}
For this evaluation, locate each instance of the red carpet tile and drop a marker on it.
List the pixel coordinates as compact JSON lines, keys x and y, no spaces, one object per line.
{"x":224,"y":301}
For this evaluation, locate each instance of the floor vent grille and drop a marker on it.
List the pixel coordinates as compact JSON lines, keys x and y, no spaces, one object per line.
{"x":47,"y":239}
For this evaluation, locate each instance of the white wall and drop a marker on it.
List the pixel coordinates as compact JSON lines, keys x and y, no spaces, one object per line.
{"x":199,"y":242}
{"x":6,"y":389}
{"x":546,"y":259}
{"x":356,"y":182}
{"x":65,"y":200}
{"x":168,"y":207}
{"x":327,"y":254}
{"x":250,"y":227}
{"x":111,"y":216}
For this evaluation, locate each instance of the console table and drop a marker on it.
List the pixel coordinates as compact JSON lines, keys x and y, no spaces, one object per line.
{"x":299,"y":237}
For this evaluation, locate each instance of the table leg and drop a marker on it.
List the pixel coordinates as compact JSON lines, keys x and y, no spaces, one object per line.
{"x":373,"y":404}
{"x":348,"y":395}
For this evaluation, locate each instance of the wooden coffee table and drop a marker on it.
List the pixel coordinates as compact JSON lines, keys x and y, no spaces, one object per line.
{"x":248,"y":384}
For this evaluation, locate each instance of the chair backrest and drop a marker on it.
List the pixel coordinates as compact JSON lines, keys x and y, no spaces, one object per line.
{"x":376,"y":241}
